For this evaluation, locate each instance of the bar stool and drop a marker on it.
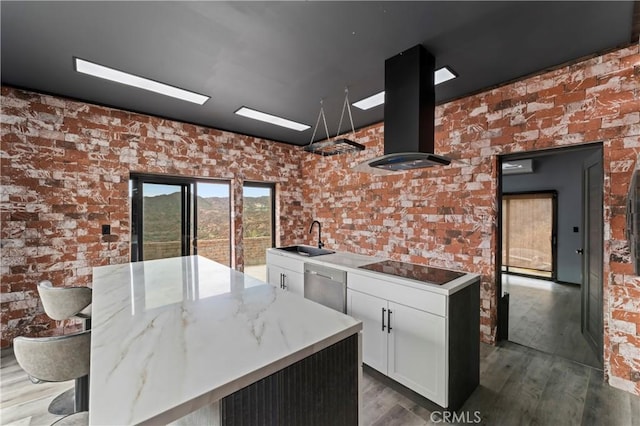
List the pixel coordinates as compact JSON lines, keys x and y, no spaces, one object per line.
{"x":57,"y":359}
{"x":61,"y":303}
{"x":76,"y":419}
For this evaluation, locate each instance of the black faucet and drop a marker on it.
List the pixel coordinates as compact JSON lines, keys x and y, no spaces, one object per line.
{"x":320,"y":243}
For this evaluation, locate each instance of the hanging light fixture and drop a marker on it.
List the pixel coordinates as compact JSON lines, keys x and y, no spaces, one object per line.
{"x":334,"y":146}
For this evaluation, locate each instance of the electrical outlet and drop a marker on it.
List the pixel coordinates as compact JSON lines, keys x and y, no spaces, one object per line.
{"x":576,"y":229}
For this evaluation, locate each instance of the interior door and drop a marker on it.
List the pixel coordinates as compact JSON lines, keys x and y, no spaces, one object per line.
{"x":592,"y":253}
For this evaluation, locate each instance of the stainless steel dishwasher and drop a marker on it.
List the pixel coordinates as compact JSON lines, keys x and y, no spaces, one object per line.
{"x":326,"y":286}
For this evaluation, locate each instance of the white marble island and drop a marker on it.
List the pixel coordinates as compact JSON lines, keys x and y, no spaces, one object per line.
{"x":175,"y":335}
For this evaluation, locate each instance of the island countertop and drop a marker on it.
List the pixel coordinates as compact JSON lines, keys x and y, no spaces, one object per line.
{"x":170,"y":336}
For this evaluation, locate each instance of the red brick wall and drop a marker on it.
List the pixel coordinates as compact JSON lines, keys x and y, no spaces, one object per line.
{"x":65,"y":167}
{"x":446,"y":216}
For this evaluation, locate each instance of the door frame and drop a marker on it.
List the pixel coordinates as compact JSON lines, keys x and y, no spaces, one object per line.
{"x":502,"y":302}
{"x":272,"y":188}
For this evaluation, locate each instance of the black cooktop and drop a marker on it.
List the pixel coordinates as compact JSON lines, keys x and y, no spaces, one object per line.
{"x":422,"y":273}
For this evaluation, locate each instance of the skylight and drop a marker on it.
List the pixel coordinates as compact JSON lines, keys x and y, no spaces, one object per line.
{"x":100,"y":71}
{"x":440,"y":76}
{"x":370,"y":102}
{"x":272,"y":119}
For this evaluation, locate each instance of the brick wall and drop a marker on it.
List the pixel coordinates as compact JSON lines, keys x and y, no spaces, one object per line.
{"x":446,"y":216}
{"x":65,"y":167}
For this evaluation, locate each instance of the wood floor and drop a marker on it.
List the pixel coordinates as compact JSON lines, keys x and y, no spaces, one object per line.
{"x":518,"y":386}
{"x":545,"y":315}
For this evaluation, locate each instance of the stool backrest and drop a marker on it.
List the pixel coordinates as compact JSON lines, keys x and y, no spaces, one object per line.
{"x":61,"y":303}
{"x":54,"y":359}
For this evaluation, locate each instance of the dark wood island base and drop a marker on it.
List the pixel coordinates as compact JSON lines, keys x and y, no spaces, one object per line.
{"x":321,"y":389}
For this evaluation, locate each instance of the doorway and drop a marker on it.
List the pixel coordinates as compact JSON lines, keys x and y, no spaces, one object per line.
{"x":546,"y":303}
{"x":258,"y":226}
{"x":172,"y":216}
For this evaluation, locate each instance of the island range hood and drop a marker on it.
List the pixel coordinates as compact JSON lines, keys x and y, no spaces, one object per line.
{"x":409,"y":113}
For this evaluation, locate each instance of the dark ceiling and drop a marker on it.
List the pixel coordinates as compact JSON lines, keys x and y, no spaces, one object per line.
{"x":283,"y":57}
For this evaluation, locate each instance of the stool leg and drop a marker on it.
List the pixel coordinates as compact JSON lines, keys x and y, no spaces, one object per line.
{"x":82,"y":394}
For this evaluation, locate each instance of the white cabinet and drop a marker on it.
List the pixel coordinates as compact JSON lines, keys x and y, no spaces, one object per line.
{"x":417,"y":351}
{"x":286,"y":273}
{"x":404,"y":343}
{"x":368,"y":309}
{"x":285,"y":279}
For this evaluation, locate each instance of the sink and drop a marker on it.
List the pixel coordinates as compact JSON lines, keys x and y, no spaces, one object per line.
{"x":306,"y":250}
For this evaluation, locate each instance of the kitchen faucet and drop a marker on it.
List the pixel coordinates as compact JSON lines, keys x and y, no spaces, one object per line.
{"x":320,"y":243}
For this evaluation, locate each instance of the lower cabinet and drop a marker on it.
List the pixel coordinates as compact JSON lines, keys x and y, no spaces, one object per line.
{"x":406,"y":344}
{"x":285,"y":279}
{"x":285,"y":272}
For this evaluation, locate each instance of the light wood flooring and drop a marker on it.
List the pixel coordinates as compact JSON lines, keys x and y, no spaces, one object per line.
{"x":545,"y":315}
{"x":518,"y":386}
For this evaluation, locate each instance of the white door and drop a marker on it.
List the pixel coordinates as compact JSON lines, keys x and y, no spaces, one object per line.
{"x":417,"y":349}
{"x":294,"y":282}
{"x":372,"y":312}
{"x":274,"y":275}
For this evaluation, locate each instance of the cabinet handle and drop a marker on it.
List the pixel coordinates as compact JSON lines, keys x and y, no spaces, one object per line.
{"x":284,"y":281}
{"x":389,"y":321}
{"x":383,"y":311}
{"x":281,"y":283}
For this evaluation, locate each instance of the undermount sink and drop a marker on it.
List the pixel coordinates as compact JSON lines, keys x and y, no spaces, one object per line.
{"x":306,"y":250}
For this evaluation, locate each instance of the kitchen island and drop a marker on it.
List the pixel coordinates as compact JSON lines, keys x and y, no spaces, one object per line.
{"x":190,"y":337}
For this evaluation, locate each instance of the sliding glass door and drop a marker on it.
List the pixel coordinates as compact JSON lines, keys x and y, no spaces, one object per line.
{"x":258,"y":223}
{"x":178,"y":217}
{"x":213,"y":221}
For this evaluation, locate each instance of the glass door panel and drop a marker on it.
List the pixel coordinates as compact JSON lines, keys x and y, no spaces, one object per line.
{"x":213,"y":219}
{"x":258,"y":222}
{"x":162,"y":213}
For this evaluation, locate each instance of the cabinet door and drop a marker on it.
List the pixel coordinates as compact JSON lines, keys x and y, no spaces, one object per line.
{"x":274,"y":275}
{"x":294,"y":282}
{"x":417,"y":352}
{"x":369,"y":310}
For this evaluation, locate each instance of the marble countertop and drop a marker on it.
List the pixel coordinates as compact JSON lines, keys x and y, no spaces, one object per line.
{"x":351,"y":262}
{"x":170,"y":336}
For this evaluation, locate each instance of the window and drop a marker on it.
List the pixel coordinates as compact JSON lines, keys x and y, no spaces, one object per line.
{"x":258,"y":222}
{"x":528,"y":233}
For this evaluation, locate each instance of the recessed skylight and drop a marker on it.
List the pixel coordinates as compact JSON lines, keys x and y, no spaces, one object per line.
{"x":443,"y":74}
{"x":440,"y":76}
{"x":107,"y":73}
{"x":272,"y":119}
{"x":370,"y":102}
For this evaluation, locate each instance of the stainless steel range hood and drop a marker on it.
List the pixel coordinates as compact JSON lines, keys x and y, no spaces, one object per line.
{"x":409,"y":113}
